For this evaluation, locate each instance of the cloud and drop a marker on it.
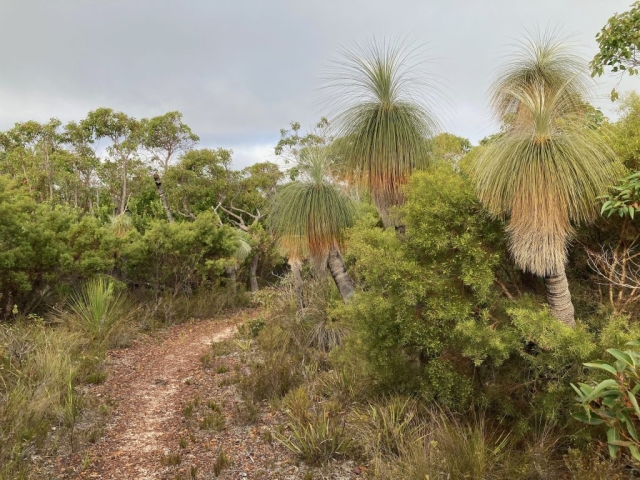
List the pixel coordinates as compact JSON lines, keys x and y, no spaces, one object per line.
{"x":240,"y":70}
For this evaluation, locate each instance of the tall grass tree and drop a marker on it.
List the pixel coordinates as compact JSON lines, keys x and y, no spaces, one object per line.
{"x":310,"y":216}
{"x":544,"y":171}
{"x":381,"y":102}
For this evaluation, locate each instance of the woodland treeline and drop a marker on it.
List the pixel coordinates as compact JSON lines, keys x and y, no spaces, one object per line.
{"x":134,"y":199}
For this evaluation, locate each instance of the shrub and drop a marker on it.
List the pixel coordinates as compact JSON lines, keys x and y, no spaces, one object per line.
{"x":614,"y":401}
{"x":318,"y":438}
{"x":101,"y":312}
{"x":447,"y":447}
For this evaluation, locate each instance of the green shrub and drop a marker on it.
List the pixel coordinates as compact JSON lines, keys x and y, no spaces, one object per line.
{"x":101,"y":312}
{"x":318,"y":438}
{"x":614,"y":401}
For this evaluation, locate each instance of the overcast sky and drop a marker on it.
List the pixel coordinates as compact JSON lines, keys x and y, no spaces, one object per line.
{"x":241,"y":70}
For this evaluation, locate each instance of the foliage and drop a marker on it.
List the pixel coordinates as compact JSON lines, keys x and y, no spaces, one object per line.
{"x":315,"y":435}
{"x":614,"y":401}
{"x":619,"y":44}
{"x":100,"y":311}
{"x":424,"y":290}
{"x":625,"y":200}
{"x":311,"y":214}
{"x":547,"y":168}
{"x":381,"y":110}
{"x":179,"y":257}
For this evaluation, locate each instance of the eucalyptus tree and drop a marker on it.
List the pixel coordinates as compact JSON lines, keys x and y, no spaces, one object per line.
{"x":80,"y":139}
{"x":310,"y":215}
{"x":165,"y":136}
{"x":382,"y":105}
{"x":32,"y":147}
{"x":125,"y":134}
{"x":548,"y":166}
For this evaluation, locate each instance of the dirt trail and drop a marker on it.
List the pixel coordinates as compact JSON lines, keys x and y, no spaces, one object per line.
{"x":147,"y":383}
{"x":172,"y":416}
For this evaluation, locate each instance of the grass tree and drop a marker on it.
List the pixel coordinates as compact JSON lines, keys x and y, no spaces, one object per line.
{"x":240,"y":254}
{"x":310,"y":215}
{"x":380,"y":101}
{"x":547,"y":167}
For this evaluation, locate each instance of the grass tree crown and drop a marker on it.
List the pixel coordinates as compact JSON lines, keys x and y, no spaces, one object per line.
{"x":381,"y":104}
{"x":311,"y":214}
{"x":547,"y":167}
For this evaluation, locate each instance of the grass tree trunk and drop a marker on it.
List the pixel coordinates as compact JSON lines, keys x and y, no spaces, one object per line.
{"x":340,"y":276}
{"x":559,"y":298}
{"x":296,"y":271}
{"x":232,"y":272}
{"x":253,"y":269}
{"x":163,"y":197}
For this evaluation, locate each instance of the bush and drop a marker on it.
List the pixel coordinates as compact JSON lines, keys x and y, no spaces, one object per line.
{"x":316,"y":438}
{"x":102,"y":312}
{"x":178,"y":258}
{"x":614,"y":401}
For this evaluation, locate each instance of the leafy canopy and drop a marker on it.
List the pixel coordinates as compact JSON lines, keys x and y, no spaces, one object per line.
{"x":619,"y":42}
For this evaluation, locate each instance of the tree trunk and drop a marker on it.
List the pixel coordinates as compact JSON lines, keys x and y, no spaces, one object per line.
{"x":296,"y":270}
{"x":253,"y":277}
{"x":559,"y":298}
{"x":340,"y":276}
{"x":163,"y":197}
{"x":232,"y":271}
{"x":123,"y":199}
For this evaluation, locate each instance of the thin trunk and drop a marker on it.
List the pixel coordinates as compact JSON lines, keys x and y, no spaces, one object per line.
{"x":253,"y":277}
{"x":340,"y":276}
{"x":232,"y":271}
{"x":559,"y":298}
{"x":123,"y":199}
{"x":47,"y":167}
{"x":296,"y":270}
{"x":163,"y":197}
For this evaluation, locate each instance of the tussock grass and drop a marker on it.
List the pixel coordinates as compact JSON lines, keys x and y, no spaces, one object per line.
{"x":37,"y":378}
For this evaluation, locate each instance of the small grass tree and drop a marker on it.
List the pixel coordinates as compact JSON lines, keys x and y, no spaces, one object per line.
{"x":382,"y":115}
{"x":311,"y":215}
{"x":547,"y":167}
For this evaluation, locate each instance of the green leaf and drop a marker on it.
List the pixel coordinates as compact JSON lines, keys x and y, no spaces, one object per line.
{"x":634,"y":402}
{"x":622,"y":356}
{"x":635,"y":452}
{"x":613,"y":436}
{"x":584,"y":418}
{"x":599,"y":389}
{"x":602,"y":366}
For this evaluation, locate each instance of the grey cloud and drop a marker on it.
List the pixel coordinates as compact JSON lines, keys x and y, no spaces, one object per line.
{"x":241,"y":70}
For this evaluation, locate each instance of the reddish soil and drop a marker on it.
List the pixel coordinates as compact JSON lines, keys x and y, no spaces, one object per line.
{"x":161,"y":395}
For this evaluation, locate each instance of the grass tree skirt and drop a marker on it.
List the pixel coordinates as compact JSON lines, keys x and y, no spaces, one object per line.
{"x":559,"y":298}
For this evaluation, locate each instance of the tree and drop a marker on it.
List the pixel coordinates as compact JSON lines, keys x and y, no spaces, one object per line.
{"x":619,"y":43}
{"x":124,"y":132}
{"x":450,"y":148}
{"x":382,"y":113}
{"x":547,"y":167}
{"x":198,"y":180}
{"x":164,"y":136}
{"x":80,"y":137}
{"x":32,"y":146}
{"x":311,"y":215}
